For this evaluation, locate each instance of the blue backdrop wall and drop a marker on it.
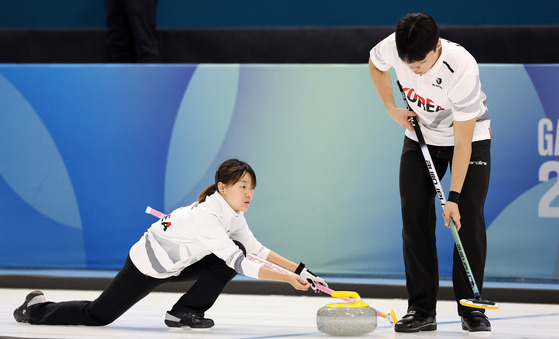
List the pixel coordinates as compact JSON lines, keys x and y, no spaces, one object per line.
{"x":85,"y":148}
{"x":266,"y":13}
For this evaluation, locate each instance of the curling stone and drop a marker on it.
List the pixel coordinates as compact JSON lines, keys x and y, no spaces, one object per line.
{"x":346,"y":318}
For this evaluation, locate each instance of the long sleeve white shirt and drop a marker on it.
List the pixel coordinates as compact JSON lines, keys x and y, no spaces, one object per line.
{"x":190,"y":233}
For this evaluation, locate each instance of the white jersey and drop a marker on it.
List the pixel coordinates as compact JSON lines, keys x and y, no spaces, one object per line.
{"x":192,"y":232}
{"x":450,"y":91}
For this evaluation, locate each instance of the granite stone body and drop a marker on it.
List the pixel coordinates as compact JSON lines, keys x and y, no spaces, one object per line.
{"x":346,"y":321}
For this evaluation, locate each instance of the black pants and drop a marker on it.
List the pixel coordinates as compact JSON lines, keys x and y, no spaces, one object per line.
{"x":130,"y":286}
{"x":131,"y":31}
{"x":417,"y":196}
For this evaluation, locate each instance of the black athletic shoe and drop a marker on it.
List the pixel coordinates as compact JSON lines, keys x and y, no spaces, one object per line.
{"x":21,"y":314}
{"x":416,"y":321}
{"x":476,"y":321}
{"x":187,"y":319}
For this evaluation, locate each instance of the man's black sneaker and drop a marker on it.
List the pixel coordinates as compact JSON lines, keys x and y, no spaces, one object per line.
{"x":476,"y":321}
{"x":415,"y":321}
{"x":187,"y":319}
{"x":21,"y":314}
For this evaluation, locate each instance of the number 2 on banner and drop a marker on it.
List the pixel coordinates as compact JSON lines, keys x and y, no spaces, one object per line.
{"x":545,"y":209}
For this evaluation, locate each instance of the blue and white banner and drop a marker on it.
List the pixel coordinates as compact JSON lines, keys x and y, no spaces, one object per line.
{"x":85,"y":148}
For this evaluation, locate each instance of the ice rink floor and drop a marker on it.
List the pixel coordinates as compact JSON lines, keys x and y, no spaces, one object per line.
{"x":257,"y":316}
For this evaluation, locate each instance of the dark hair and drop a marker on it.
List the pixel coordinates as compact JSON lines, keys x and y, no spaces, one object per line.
{"x":229,"y":172}
{"x":417,"y":34}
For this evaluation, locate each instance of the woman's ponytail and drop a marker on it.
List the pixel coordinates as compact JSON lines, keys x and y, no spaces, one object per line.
{"x":205,"y":193}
